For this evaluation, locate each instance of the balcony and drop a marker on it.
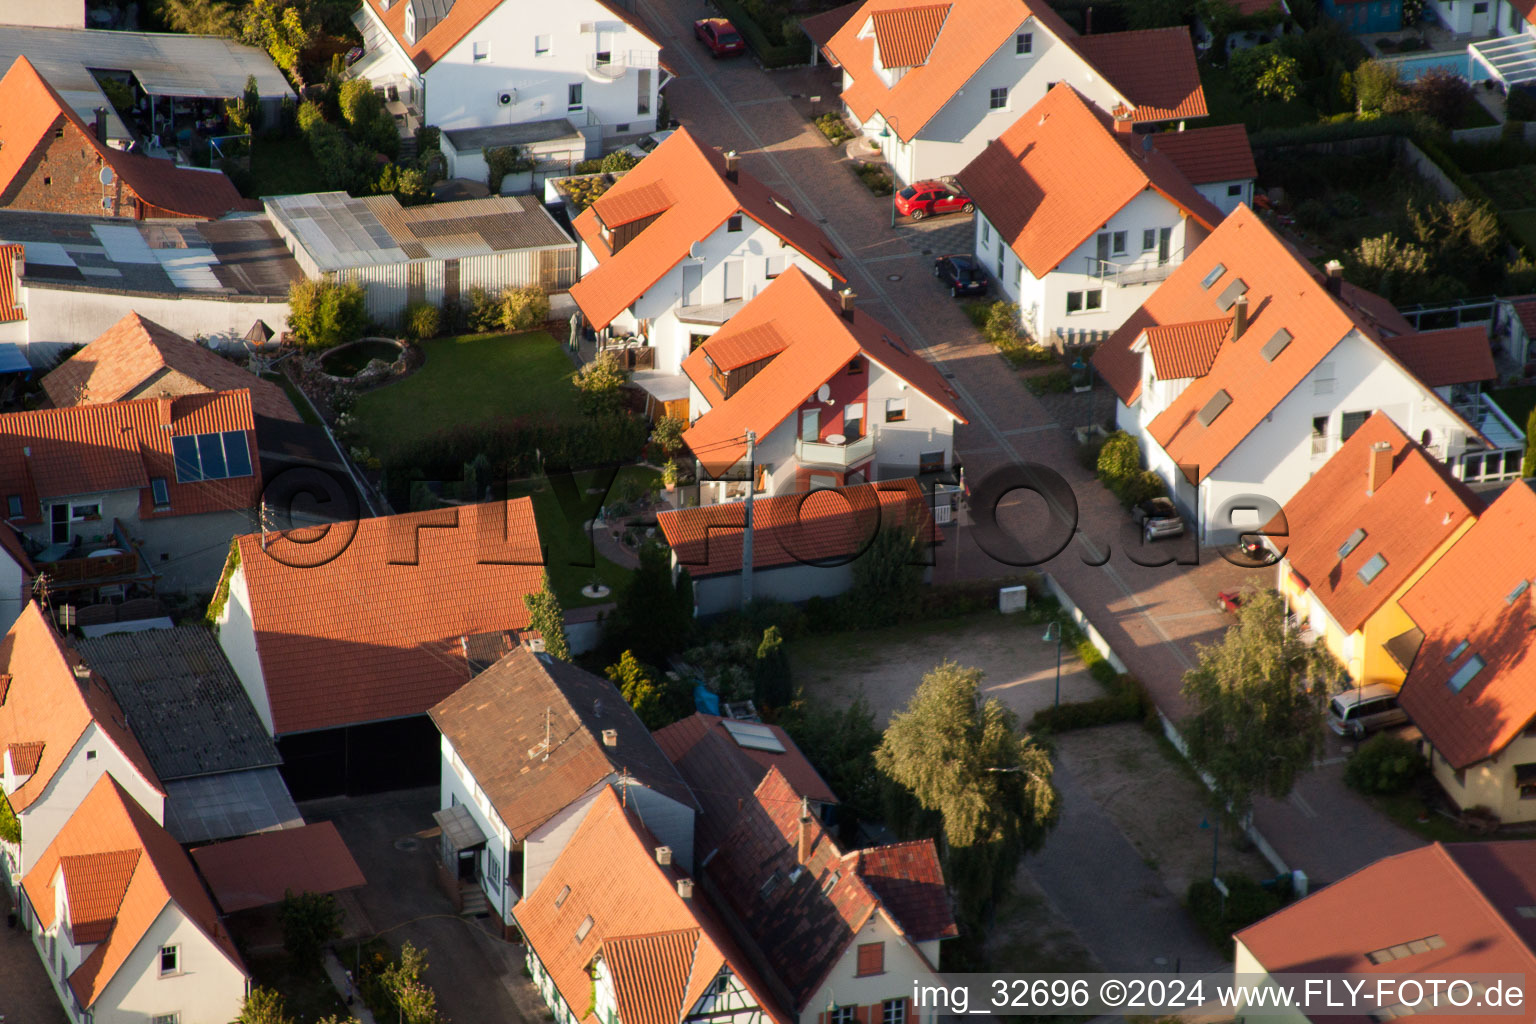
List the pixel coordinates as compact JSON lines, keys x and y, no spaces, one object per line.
{"x":838,"y":456}
{"x":115,"y":561}
{"x":608,"y":65}
{"x":1126,"y":274}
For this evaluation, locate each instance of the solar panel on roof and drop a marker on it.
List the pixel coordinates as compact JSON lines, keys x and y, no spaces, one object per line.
{"x":753,"y":737}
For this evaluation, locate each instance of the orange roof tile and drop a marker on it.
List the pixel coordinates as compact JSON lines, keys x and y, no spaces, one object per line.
{"x":1458,"y":355}
{"x":1408,"y":517}
{"x":1154,"y":69}
{"x":384,"y":604}
{"x":47,"y":709}
{"x":817,"y":342}
{"x":1525,"y":309}
{"x":1207,"y":155}
{"x":9,"y":309}
{"x":1478,"y":594}
{"x":259,"y":870}
{"x":130,"y":356}
{"x":828,"y":526}
{"x":1187,"y":350}
{"x":1285,"y":294}
{"x":909,"y":880}
{"x":904,"y":37}
{"x":96,"y":884}
{"x":50,"y":453}
{"x":679,"y":167}
{"x":663,"y":950}
{"x":1030,"y":182}
{"x":109,"y":822}
{"x":29,"y":109}
{"x":616,"y":208}
{"x":1465,"y":894}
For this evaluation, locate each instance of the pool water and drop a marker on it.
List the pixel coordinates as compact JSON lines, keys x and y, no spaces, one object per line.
{"x":1461,"y":64}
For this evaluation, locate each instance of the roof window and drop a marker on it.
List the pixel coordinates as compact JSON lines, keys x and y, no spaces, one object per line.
{"x":1457,"y":651}
{"x":1465,"y":674}
{"x":1351,"y":542}
{"x":1520,"y":589}
{"x":752,"y":736}
{"x":771,"y":884}
{"x":1406,"y":949}
{"x":560,"y":897}
{"x":1230,"y":294}
{"x":1214,"y":275}
{"x":832,"y":880}
{"x":1275,"y":345}
{"x":585,"y":929}
{"x":1371,"y":569}
{"x":1213,"y":408}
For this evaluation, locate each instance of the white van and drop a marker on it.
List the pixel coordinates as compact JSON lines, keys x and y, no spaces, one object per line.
{"x":1365,"y":709}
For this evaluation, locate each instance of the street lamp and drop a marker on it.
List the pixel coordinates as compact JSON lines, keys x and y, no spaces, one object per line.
{"x":1053,"y":632}
{"x":1215,"y":827}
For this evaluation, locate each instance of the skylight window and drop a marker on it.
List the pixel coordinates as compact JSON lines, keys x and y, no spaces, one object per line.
{"x":1406,"y":949}
{"x":1466,"y":674}
{"x":1214,"y":275}
{"x":585,"y":929}
{"x":560,"y":897}
{"x":1514,"y":595}
{"x":770,"y":885}
{"x":1352,"y":542}
{"x":1231,"y":293}
{"x":1213,"y":408}
{"x":1275,"y":345}
{"x":1457,"y":651}
{"x":831,"y":881}
{"x":1370,"y":570}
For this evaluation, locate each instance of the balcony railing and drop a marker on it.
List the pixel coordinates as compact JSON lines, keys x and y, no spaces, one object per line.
{"x":820,"y":453}
{"x":1139,"y":272}
{"x":611,"y":64}
{"x":123,"y":565}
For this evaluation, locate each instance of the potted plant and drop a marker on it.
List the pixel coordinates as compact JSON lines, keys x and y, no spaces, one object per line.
{"x":670,"y":474}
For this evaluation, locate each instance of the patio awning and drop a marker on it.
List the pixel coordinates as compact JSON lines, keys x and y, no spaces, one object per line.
{"x":11,"y":359}
{"x":1510,"y":59}
{"x":664,"y":387}
{"x":460,"y":829}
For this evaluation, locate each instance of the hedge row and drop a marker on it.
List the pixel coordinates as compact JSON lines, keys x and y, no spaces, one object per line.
{"x":769,"y":55}
{"x":1126,"y":701}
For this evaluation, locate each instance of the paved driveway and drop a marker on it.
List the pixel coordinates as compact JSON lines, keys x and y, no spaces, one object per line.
{"x":26,"y":994}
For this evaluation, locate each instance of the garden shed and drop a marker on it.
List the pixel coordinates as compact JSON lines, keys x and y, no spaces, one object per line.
{"x":434,"y":253}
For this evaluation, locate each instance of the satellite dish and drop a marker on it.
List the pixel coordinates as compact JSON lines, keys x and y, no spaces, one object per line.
{"x":824,"y":393}
{"x":105,"y":176}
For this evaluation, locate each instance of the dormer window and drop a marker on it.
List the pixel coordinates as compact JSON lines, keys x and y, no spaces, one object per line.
{"x":1465,"y":674}
{"x":410,"y":22}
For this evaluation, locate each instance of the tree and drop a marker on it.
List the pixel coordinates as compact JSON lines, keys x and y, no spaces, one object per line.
{"x":668,"y":434}
{"x":1378,"y":87}
{"x":367,"y":121}
{"x":640,"y":689}
{"x":198,"y":17}
{"x":1257,"y":706}
{"x":1267,"y":73}
{"x":1441,"y":95}
{"x":967,"y":760}
{"x":840,"y":744}
{"x":887,"y":576}
{"x":774,"y":683}
{"x":600,"y":385}
{"x":523,"y":309}
{"x":10,"y":826}
{"x":310,"y":920}
{"x":278,"y":28}
{"x":414,"y":998}
{"x":1389,"y":266}
{"x":651,"y":616}
{"x":263,"y":1006}
{"x":323,"y":313}
{"x":546,"y":616}
{"x":244,"y":111}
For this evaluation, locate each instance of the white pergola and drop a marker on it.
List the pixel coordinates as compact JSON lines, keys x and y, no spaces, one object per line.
{"x":1510,"y":59}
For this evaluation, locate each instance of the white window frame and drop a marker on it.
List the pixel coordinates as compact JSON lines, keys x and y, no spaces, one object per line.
{"x":898,"y":406}
{"x":175,"y":952}
{"x":575,"y":97}
{"x":992,"y":97}
{"x":480,"y":50}
{"x":542,"y":45}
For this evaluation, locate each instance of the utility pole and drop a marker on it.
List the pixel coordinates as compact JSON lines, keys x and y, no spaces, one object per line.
{"x":746,"y":528}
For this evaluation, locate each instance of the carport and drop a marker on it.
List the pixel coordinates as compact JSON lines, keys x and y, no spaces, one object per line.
{"x":259,"y":870}
{"x":1510,"y":59}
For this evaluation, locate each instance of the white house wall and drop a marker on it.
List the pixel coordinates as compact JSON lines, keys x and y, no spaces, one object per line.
{"x":208,"y":989}
{"x":237,"y":637}
{"x":459,"y":787}
{"x":1220,"y":194}
{"x":1246,"y":964}
{"x":545,"y":843}
{"x":14,"y":592}
{"x":57,"y":317}
{"x":716,"y":594}
{"x":904,"y":969}
{"x":43,"y":13}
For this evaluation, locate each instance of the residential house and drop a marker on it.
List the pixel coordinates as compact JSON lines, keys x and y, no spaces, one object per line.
{"x":345,"y":640}
{"x":123,"y":924}
{"x":841,"y":936}
{"x":47,"y":13}
{"x":1359,"y":534}
{"x":833,"y":396}
{"x":60,"y":732}
{"x":587,"y":67}
{"x":1078,"y":252}
{"x":1471,"y":686}
{"x":1362,"y":17}
{"x":803,"y":544}
{"x":1217,"y":160}
{"x":53,"y":162}
{"x":1467,"y":915}
{"x":1247,"y":368}
{"x":934,"y":83}
{"x":528,"y":745}
{"x":106,"y":493}
{"x":675,"y":248}
{"x":1514,"y":325}
{"x":617,"y":932}
{"x":724,"y":759}
{"x":138,"y":358}
{"x":1477,"y":18}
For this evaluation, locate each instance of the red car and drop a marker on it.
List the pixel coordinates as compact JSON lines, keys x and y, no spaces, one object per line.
{"x":720,"y":36}
{"x":919,"y":200}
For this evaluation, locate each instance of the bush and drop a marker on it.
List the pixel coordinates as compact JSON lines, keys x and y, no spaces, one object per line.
{"x":323,"y":314}
{"x":501,"y":161}
{"x":1002,"y":324}
{"x":367,"y":121}
{"x":617,"y":162}
{"x":1378,"y":87}
{"x":310,"y":920}
{"x":600,"y":385}
{"x":1057,"y":382}
{"x":833,"y":127}
{"x":1246,"y":902}
{"x":1441,"y":96}
{"x":668,"y":434}
{"x":1385,"y":765}
{"x":421,"y":320}
{"x":589,"y":167}
{"x":523,"y":309}
{"x":875,"y":178}
{"x":483,"y":313}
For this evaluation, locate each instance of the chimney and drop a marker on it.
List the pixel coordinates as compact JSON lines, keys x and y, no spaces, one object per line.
{"x":610,"y":737}
{"x":163,"y":406}
{"x":732,"y":162}
{"x":845,"y":302}
{"x":663,"y":855}
{"x":807,"y":840}
{"x":101,"y":125}
{"x":1380,"y":466}
{"x":1088,"y":21}
{"x":1239,"y":317}
{"x":82,"y":672}
{"x":1124,"y":124}
{"x":685,"y":888}
{"x":1334,"y":282}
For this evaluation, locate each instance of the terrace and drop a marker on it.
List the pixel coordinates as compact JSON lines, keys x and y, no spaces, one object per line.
{"x":108,"y":566}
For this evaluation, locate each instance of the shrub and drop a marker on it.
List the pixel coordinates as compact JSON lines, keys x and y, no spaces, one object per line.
{"x":1389,"y":266}
{"x":501,"y":161}
{"x":1385,"y":764}
{"x":1056,"y":382}
{"x":875,"y":178}
{"x":1528,"y":468}
{"x":367,"y":121}
{"x":310,"y":920}
{"x":323,"y":314}
{"x":618,"y":161}
{"x":600,"y":385}
{"x":668,"y":434}
{"x":1440,"y":95}
{"x":589,"y":167}
{"x":1312,"y":214}
{"x":421,"y":320}
{"x":1119,"y":459}
{"x":483,"y":313}
{"x":523,"y":309}
{"x":833,"y":127}
{"x":583,"y":192}
{"x":1219,"y":917}
{"x":1002,"y":325}
{"x":10,"y":825}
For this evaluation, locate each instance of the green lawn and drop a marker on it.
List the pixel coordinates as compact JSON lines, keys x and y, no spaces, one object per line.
{"x":466,"y":380}
{"x":283,"y":167}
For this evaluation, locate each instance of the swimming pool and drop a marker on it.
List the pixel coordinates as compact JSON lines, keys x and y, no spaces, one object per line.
{"x":1456,"y":63}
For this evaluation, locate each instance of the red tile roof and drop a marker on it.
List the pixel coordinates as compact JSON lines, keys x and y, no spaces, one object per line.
{"x":1030,"y":182}
{"x":9,"y":308}
{"x":1154,"y":72}
{"x":830,"y":526}
{"x":1408,"y":517}
{"x":48,"y":453}
{"x":498,"y":719}
{"x":134,"y":355}
{"x":46,"y":709}
{"x":1473,"y":594}
{"x":1187,"y":350}
{"x":678,"y":168}
{"x":31,"y":108}
{"x":798,"y":319}
{"x":904,"y":37}
{"x":1284,"y":293}
{"x":109,"y":828}
{"x":1208,"y":155}
{"x":259,"y":870}
{"x":909,"y":880}
{"x":663,"y":951}
{"x":1525,"y":309}
{"x":383,"y":605}
{"x":822,"y":27}
{"x":1459,"y":355}
{"x":1464,"y":894}
{"x":96,"y":884}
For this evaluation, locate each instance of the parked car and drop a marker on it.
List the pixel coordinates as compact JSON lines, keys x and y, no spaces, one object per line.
{"x":1162,"y":528}
{"x":1153,"y":508}
{"x":961,"y":274}
{"x":645,"y":145}
{"x":720,"y":36}
{"x":1365,"y":709}
{"x":919,"y":200}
